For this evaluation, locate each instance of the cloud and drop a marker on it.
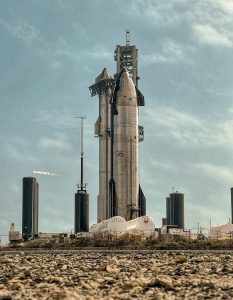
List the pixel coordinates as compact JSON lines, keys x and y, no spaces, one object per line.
{"x":224,"y":133}
{"x":56,"y":64}
{"x":178,"y":125}
{"x":23,"y":31}
{"x":189,"y":130}
{"x":18,"y":149}
{"x":159,"y":12}
{"x":98,"y":51}
{"x":226,"y":5}
{"x":63,"y":121}
{"x":216,"y":172}
{"x":207,"y":34}
{"x":177,"y":12}
{"x":55,"y":144}
{"x":212,"y":19}
{"x":165,"y":166}
{"x":60,"y":120}
{"x":56,"y":51}
{"x":171,"y":52}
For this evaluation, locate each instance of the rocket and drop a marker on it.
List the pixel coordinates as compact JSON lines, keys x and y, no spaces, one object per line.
{"x":125,"y":149}
{"x":119,"y":133}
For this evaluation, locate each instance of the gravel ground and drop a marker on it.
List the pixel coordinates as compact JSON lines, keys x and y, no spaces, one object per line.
{"x":116,"y":275}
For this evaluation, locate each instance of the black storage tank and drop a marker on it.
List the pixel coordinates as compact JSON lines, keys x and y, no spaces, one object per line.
{"x":176,"y":203}
{"x":81,"y":217}
{"x":35,"y":214}
{"x":232,"y":205}
{"x":30,"y":208}
{"x":168,"y":211}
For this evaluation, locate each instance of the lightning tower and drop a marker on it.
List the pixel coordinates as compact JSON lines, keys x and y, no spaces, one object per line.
{"x":81,"y":216}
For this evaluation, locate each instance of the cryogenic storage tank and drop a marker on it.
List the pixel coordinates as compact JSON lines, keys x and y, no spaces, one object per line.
{"x":114,"y":226}
{"x":144,"y":226}
{"x":175,"y":209}
{"x":81,"y":212}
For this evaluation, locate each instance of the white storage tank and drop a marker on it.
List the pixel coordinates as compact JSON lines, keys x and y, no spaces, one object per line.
{"x":143,"y":226}
{"x":115,"y":226}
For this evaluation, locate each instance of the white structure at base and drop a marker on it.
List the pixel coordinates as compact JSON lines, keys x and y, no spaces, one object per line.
{"x":115,"y":226}
{"x":170,"y":229}
{"x":143,"y":226}
{"x":14,"y":235}
{"x":173,"y":230}
{"x":224,"y":231}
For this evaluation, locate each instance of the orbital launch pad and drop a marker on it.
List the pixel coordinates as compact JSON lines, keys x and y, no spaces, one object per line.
{"x":119,"y":135}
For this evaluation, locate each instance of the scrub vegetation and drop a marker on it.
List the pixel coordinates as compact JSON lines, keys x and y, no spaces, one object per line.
{"x":127,"y":242}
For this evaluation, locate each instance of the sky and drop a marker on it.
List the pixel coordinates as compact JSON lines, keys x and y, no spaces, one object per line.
{"x":52,"y":51}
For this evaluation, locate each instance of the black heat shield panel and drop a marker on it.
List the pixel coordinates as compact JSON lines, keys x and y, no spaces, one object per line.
{"x":112,"y":199}
{"x":142,"y":203}
{"x":140,"y":97}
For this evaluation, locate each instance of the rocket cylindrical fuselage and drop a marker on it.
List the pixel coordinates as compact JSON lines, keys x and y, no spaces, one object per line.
{"x":126,"y":141}
{"x":104,"y":148}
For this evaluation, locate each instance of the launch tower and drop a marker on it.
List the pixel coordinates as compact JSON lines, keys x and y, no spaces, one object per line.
{"x":127,"y":57}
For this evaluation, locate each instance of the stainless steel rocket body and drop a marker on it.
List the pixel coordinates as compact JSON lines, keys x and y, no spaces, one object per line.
{"x":126,"y":140}
{"x":119,"y":135}
{"x":102,"y":128}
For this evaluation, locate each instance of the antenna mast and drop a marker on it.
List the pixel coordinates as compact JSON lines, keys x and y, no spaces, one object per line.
{"x":127,"y":36}
{"x":81,"y":186}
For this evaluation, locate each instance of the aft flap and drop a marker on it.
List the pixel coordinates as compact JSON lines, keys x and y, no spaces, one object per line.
{"x":140,"y":98}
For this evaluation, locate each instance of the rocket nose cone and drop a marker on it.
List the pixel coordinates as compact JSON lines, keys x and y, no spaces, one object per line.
{"x":125,"y":73}
{"x":105,"y":74}
{"x":125,"y":78}
{"x":127,"y":91}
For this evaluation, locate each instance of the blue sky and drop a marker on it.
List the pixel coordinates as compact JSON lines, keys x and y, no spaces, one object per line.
{"x":51,"y":52}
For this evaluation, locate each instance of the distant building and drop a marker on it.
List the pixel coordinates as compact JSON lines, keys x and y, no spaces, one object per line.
{"x":30,"y":208}
{"x":172,"y":230}
{"x":224,"y":231}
